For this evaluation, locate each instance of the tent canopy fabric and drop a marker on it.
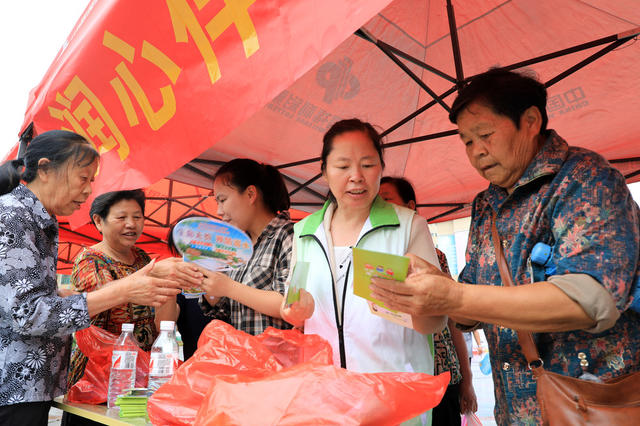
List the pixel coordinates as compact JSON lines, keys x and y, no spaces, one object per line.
{"x":198,"y":83}
{"x":594,"y":107}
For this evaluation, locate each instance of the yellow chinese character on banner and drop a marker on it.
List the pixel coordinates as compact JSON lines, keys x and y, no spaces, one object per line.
{"x":83,"y":111}
{"x":155,"y":118}
{"x":234,"y":12}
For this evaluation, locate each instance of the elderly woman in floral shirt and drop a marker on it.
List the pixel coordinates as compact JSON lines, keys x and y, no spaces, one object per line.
{"x":35,"y":321}
{"x":542,"y":190}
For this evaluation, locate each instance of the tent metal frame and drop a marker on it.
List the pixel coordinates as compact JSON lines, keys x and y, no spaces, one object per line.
{"x":68,"y":250}
{"x":396,"y":55}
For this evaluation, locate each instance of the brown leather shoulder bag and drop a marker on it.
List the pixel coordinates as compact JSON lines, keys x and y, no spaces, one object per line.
{"x":571,"y":401}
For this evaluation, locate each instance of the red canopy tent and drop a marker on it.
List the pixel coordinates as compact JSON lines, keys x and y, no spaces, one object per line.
{"x":197,"y":83}
{"x":401,"y":71}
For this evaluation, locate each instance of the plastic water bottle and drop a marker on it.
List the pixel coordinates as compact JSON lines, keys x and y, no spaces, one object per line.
{"x":123,"y":365}
{"x":164,"y":356}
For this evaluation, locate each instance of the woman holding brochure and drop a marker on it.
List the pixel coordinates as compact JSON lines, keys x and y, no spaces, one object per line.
{"x":254,"y":198}
{"x":119,"y":218}
{"x":354,"y":216}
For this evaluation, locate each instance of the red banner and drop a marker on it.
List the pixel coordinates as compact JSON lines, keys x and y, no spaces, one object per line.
{"x":154,"y":83}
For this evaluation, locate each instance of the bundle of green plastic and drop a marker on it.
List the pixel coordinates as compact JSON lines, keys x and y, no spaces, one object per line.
{"x":133,"y":403}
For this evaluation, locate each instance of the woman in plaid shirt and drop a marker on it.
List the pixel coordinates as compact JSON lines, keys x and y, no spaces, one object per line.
{"x":254,"y":198}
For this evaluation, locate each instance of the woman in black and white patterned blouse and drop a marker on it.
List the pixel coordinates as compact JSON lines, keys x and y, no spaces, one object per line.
{"x":36,"y":322}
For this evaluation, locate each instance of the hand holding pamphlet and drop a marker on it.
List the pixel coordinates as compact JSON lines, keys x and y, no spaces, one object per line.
{"x":368,"y":264}
{"x":212,"y":244}
{"x":298,"y":281}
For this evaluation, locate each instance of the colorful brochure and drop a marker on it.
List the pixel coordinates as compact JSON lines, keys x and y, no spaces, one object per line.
{"x":368,"y":264}
{"x":212,"y":244}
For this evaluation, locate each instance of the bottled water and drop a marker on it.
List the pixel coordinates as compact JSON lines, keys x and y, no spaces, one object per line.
{"x":164,"y":356}
{"x":123,"y":365}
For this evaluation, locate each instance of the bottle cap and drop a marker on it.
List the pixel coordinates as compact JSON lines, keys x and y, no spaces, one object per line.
{"x":167,"y":325}
{"x":127,"y":327}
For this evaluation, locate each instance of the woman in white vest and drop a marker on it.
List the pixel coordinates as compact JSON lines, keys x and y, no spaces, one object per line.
{"x":355,"y":216}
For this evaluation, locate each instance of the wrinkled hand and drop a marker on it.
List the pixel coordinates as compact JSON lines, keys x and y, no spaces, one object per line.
{"x":146,"y":289}
{"x":65,"y":292}
{"x":216,"y":284}
{"x":300,"y":310}
{"x":468,"y":400}
{"x":174,"y":268}
{"x":418,"y":265}
{"x":426,"y":291}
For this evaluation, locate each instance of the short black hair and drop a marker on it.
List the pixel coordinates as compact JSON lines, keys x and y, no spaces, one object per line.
{"x":403,"y":186}
{"x":507,"y":93}
{"x":102,"y":204}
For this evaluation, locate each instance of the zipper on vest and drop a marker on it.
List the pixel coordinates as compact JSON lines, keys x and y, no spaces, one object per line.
{"x":340,"y":318}
{"x":342,"y":350}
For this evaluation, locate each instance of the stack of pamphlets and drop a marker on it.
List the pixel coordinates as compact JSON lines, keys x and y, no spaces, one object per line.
{"x":134,"y":402}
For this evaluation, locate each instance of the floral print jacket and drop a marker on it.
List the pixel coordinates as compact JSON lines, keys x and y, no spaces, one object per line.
{"x":574,"y":201}
{"x":35,"y":323}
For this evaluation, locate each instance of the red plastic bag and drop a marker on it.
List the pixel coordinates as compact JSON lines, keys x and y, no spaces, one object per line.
{"x":224,"y":350}
{"x":97,"y":345}
{"x":284,"y":376}
{"x":320,"y":394}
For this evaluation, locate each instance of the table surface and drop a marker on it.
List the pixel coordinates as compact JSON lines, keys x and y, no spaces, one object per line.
{"x":99,"y":413}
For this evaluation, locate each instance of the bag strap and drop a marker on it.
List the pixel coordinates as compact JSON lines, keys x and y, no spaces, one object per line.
{"x":525,"y":337}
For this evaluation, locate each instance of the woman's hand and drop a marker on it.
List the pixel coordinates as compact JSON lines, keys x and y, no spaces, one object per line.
{"x":300,"y":310}
{"x":426,"y":292}
{"x":144,"y":288}
{"x":216,"y":284}
{"x":65,"y":292}
{"x":468,"y":400}
{"x":174,"y":268}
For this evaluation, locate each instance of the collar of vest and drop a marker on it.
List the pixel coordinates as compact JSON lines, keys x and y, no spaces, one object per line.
{"x":381,"y":214}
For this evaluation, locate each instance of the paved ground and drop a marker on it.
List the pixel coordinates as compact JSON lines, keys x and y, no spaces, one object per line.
{"x":483,"y":385}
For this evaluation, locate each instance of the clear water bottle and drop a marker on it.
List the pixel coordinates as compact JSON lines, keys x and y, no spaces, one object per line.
{"x":123,"y":365}
{"x":164,"y":356}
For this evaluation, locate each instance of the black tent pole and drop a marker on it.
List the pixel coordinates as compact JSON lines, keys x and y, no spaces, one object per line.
{"x":455,"y":45}
{"x":585,"y":62}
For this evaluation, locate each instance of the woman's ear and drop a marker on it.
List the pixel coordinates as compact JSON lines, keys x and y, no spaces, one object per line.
{"x":252,"y":193}
{"x":532,"y":119}
{"x":43,"y":169}
{"x":97,"y":220}
{"x":411,"y":204}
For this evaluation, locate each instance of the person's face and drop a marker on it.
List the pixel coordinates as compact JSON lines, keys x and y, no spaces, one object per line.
{"x":498,"y":150}
{"x":353,"y":170}
{"x":234,"y":206}
{"x":122,"y":226}
{"x":68,"y":188}
{"x":389,"y":193}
